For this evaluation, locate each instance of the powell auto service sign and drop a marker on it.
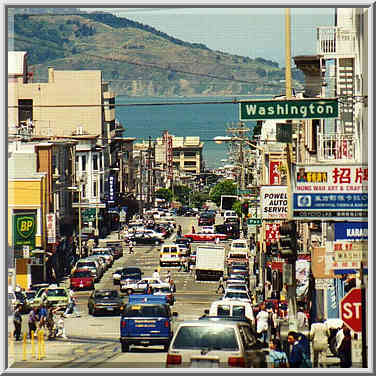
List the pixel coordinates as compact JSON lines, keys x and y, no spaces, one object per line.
{"x":273,"y":202}
{"x":288,"y":109}
{"x":24,"y":226}
{"x":330,"y":191}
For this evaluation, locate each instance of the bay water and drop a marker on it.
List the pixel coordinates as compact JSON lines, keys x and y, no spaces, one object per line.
{"x":143,"y":117}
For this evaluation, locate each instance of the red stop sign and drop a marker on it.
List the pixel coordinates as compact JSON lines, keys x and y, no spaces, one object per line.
{"x":351,"y":309}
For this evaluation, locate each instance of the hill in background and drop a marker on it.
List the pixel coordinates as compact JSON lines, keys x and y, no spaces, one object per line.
{"x":136,"y":59}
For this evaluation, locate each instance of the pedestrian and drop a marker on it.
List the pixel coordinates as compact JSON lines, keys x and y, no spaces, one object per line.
{"x":32,"y":321}
{"x":298,"y":358}
{"x":302,"y":320}
{"x":186,"y":264}
{"x":344,"y":350}
{"x":182,"y":263}
{"x":179,"y":231}
{"x":61,"y":327}
{"x":276,"y":357}
{"x":193,"y":230}
{"x":319,"y":336}
{"x":71,"y":307}
{"x":42,"y":316}
{"x":168,"y":276}
{"x":216,"y":240}
{"x":172,"y":286}
{"x":130,"y":247}
{"x":156,"y":274}
{"x":50,"y":322}
{"x":262,"y":319}
{"x":221,"y":285}
{"x":17,"y":321}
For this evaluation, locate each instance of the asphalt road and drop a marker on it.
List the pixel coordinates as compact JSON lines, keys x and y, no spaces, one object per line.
{"x":94,"y":341}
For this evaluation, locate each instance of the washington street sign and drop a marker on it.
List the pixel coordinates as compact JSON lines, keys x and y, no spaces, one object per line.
{"x":288,"y":109}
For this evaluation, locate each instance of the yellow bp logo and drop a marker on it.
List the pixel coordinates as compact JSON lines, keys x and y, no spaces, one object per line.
{"x":25,"y":226}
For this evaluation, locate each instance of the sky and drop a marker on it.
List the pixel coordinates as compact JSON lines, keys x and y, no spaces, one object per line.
{"x":253,"y":32}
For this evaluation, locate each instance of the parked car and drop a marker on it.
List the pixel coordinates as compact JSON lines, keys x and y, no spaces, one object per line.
{"x":209,"y":343}
{"x":54,"y":295}
{"x":81,"y":279}
{"x":104,"y":301}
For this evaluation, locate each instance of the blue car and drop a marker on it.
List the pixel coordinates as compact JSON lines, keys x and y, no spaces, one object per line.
{"x":146,"y":321}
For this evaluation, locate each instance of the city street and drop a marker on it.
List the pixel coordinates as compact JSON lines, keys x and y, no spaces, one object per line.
{"x":94,"y":341}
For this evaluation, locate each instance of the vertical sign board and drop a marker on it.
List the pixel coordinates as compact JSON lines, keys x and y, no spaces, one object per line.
{"x":51,"y":228}
{"x":111,"y":189}
{"x":24,"y":229}
{"x":273,"y":201}
{"x":274,"y":173}
{"x":338,"y":192}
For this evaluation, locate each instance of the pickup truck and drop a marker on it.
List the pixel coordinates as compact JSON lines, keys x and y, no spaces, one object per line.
{"x":146,"y":321}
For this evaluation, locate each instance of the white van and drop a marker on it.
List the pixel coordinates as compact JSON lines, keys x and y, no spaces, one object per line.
{"x":233,"y":307}
{"x":169,"y":255}
{"x":230,"y":214}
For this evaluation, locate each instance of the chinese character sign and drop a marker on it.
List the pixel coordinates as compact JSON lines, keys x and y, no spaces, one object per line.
{"x":51,"y":228}
{"x":274,"y":173}
{"x":338,"y":191}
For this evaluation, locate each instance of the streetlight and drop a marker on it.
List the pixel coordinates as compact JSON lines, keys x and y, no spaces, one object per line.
{"x":78,"y":189}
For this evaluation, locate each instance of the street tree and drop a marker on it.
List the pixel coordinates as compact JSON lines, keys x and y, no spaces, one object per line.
{"x":198,"y":199}
{"x":182,"y":193}
{"x":226,"y":187}
{"x":164,"y":194}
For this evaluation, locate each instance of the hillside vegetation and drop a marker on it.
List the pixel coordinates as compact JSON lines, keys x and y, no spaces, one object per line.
{"x":137,"y":59}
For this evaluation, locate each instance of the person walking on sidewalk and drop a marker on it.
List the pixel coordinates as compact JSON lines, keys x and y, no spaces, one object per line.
{"x":131,"y":247}
{"x":262,"y":320}
{"x":319,"y":336}
{"x":298,"y":358}
{"x":179,"y":231}
{"x":71,"y":307}
{"x":17,"y":321}
{"x":32,"y":321}
{"x":221,"y":285}
{"x":276,"y":357}
{"x":156,"y":274}
{"x":344,"y":350}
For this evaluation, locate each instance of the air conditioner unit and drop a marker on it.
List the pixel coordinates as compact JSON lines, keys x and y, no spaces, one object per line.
{"x":79,"y":131}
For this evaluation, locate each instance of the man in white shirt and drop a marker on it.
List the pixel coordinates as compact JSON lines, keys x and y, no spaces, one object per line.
{"x":302,"y":320}
{"x":156,"y":274}
{"x":262,"y":319}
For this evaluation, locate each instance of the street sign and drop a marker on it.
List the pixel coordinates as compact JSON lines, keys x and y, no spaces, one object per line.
{"x":351,"y":309}
{"x":26,"y":251}
{"x":254,"y":221}
{"x":288,"y":109}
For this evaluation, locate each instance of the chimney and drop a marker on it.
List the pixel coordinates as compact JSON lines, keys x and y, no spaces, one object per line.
{"x":51,"y":76}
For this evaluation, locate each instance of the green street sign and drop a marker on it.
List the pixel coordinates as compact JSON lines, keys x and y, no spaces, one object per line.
{"x":319,"y":108}
{"x":24,"y":228}
{"x":284,"y":132}
{"x":254,"y":221}
{"x":245,"y":191}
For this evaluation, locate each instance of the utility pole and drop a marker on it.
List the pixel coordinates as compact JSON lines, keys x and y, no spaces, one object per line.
{"x":149,"y":173}
{"x":291,"y":288}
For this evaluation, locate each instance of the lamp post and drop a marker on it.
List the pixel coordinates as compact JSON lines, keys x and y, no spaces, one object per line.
{"x":78,"y":189}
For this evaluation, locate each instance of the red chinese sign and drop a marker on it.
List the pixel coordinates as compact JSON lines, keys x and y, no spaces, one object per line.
{"x":271,"y":232}
{"x":274,"y":173}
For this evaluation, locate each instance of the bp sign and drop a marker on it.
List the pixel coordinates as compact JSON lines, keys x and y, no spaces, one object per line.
{"x":24,"y":226}
{"x":288,"y":109}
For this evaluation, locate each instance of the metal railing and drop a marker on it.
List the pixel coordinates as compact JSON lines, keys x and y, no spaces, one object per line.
{"x":337,"y":147}
{"x":335,"y":40}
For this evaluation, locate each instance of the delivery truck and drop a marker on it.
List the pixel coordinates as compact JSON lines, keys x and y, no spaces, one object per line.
{"x":210,"y":263}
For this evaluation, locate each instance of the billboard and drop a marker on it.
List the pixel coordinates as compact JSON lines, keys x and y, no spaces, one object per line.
{"x":273,"y":201}
{"x":274,"y":172}
{"x":330,"y":191}
{"x":351,"y":231}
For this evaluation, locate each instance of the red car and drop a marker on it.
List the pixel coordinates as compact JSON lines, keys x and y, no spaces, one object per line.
{"x":81,"y":279}
{"x":205,"y":237}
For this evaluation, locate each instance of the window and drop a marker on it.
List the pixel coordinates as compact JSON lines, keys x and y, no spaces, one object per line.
{"x":189,"y":154}
{"x":83,"y":163}
{"x":100,"y":161}
{"x":189,"y":163}
{"x":100,"y":186}
{"x":83,"y":191}
{"x":95,"y":162}
{"x":95,"y":188}
{"x":25,"y":110}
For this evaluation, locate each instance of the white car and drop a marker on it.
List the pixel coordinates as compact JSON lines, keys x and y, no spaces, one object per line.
{"x":207,"y":230}
{"x":239,"y":295}
{"x":239,"y":245}
{"x":133,"y":287}
{"x":153,"y":233}
{"x":106,"y":253}
{"x":232,"y":307}
{"x":116,"y":275}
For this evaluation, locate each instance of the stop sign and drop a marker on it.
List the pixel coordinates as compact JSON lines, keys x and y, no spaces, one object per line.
{"x":351,"y":309}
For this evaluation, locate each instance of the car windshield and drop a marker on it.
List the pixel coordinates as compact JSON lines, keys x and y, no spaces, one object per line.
{"x":106,"y":294}
{"x":30,"y":294}
{"x":162,"y":289}
{"x":237,"y":287}
{"x":238,"y":255}
{"x":239,"y":245}
{"x":213,"y":337}
{"x":56,"y":292}
{"x":138,"y":310}
{"x":82,"y":274}
{"x":83,"y":264}
{"x":236,"y":295}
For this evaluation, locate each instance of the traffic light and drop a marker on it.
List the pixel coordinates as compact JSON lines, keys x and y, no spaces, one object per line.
{"x":245,"y":208}
{"x":287,"y":241}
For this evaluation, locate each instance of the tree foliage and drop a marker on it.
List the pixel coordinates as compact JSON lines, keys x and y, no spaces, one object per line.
{"x":164,"y":194}
{"x":198,"y":199}
{"x":181,"y":193}
{"x":226,"y":187}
